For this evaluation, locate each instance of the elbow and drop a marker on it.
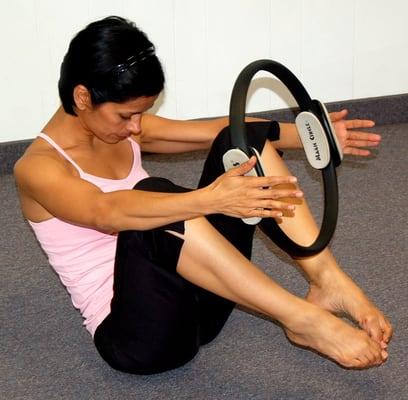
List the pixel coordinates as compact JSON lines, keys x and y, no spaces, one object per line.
{"x":110,"y":216}
{"x":105,"y":215}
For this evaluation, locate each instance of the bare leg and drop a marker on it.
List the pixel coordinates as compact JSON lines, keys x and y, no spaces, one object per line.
{"x":330,"y":287}
{"x":208,"y":260}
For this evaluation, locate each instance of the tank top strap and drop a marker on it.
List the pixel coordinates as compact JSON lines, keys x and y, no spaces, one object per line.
{"x":61,"y":151}
{"x":135,"y":146}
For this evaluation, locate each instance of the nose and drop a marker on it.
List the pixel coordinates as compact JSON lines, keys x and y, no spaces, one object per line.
{"x":134,"y":125}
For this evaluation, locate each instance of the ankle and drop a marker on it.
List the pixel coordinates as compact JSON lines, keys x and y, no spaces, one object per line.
{"x":307,"y":315}
{"x":319,"y":268}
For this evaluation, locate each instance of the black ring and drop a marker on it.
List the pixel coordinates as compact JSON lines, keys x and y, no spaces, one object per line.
{"x":238,"y":140}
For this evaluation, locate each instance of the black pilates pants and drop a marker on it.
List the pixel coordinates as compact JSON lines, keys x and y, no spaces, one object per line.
{"x":158,"y":320}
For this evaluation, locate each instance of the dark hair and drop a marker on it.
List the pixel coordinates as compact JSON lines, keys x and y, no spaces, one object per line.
{"x":98,"y":58}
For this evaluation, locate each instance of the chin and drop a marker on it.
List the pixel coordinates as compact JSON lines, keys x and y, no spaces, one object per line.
{"x":122,"y":137}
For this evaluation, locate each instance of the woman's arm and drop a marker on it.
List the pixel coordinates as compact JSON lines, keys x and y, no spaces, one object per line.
{"x":46,"y":181}
{"x":162,"y":135}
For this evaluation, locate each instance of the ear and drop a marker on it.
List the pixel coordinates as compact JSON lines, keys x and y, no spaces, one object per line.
{"x":82,"y":98}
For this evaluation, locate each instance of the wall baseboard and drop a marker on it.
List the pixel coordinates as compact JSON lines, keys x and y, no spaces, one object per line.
{"x":383,"y":110}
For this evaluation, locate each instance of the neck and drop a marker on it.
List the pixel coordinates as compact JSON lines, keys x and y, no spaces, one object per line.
{"x":68,"y":130}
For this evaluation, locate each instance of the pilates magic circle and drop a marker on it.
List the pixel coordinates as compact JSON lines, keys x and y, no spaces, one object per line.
{"x":316,"y":133}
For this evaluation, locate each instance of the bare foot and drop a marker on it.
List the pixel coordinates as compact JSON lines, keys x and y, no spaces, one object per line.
{"x":325,"y":333}
{"x":338,"y":294}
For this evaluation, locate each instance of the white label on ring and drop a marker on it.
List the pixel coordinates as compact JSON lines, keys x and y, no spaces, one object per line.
{"x":314,"y":139}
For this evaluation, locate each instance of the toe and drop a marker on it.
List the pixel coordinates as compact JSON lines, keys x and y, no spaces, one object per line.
{"x":372,"y":326}
{"x":384,"y":355}
{"x":378,"y":328}
{"x":387,"y":330}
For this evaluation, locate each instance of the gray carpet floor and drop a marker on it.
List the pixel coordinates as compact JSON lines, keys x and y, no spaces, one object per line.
{"x":45,"y":353}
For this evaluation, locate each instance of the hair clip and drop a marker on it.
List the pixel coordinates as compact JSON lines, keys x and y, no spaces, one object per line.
{"x":132,"y":60}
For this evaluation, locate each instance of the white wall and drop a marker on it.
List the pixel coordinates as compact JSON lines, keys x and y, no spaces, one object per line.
{"x":339,"y":49}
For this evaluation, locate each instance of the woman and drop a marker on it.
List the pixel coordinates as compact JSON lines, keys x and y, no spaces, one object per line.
{"x":154,"y":268}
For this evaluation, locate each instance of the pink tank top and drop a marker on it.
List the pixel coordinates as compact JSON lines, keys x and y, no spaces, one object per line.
{"x":83,"y":257}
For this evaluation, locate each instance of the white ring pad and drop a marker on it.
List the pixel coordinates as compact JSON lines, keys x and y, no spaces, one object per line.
{"x":233,"y":158}
{"x":314,"y":139}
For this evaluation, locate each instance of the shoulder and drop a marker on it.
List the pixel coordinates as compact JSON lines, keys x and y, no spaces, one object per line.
{"x":40,"y":162}
{"x":164,"y":135}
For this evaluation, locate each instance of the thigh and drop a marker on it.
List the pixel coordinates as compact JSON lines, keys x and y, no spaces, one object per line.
{"x":153,"y":325}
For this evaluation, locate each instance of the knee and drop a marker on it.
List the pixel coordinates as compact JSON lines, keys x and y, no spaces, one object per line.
{"x":148,"y":360}
{"x":158,"y":184}
{"x":270,"y":151}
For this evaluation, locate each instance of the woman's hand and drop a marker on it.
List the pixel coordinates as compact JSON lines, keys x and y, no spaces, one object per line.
{"x":237,"y":195}
{"x":352,"y":141}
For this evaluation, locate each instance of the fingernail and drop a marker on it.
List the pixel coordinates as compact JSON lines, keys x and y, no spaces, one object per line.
{"x":299,"y":194}
{"x":292,"y":179}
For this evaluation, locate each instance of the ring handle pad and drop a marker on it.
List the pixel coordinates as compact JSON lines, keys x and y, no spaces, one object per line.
{"x":235,"y":157}
{"x":313,"y":139}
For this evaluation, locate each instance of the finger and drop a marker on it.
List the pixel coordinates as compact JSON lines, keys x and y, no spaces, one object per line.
{"x":242,"y":169}
{"x":361,"y":143}
{"x":368,"y":137}
{"x":268,"y":181}
{"x":274,"y":194}
{"x":264,"y":213}
{"x":261,"y":213}
{"x":356,"y":152}
{"x":359,"y":123}
{"x":276,"y":205}
{"x":338,"y":115}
